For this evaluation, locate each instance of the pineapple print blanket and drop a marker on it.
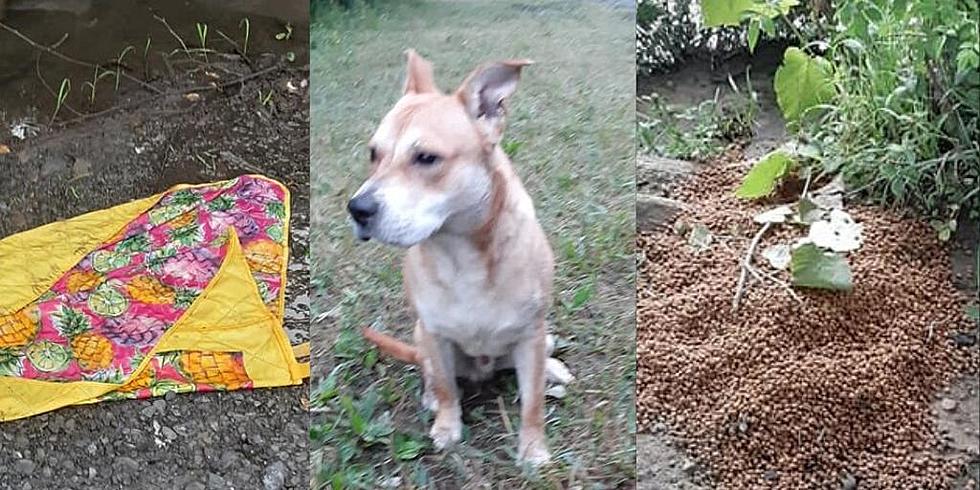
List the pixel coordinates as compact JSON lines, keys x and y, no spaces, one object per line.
{"x":182,"y":291}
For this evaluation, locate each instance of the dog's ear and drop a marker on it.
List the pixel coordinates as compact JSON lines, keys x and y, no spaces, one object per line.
{"x":418,"y":76}
{"x":484,"y":92}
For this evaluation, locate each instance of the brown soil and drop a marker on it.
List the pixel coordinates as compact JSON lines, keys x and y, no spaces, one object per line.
{"x":834,"y":392}
{"x":144,"y":144}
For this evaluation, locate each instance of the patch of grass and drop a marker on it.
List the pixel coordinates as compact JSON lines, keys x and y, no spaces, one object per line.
{"x":701,"y":131}
{"x":570,"y":134}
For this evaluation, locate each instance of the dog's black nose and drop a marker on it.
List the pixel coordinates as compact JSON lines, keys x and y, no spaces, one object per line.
{"x":362,"y":208}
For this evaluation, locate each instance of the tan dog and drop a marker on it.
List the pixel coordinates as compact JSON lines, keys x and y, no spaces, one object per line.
{"x":479,"y":269}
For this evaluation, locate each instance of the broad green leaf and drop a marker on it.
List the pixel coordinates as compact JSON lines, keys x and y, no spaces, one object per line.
{"x":406,"y":447}
{"x":814,"y":268}
{"x":754,"y":29}
{"x":801,"y":83}
{"x":771,"y":10}
{"x":732,"y":12}
{"x":725,"y":12}
{"x":765,"y":174}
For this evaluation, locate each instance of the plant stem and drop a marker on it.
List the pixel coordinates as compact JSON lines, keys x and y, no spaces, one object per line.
{"x":746,"y":263}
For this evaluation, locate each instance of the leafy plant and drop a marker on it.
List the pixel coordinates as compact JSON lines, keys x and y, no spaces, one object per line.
{"x":765,"y":175}
{"x":802,"y":82}
{"x":904,"y":126}
{"x":898,"y":90}
{"x":816,"y":268}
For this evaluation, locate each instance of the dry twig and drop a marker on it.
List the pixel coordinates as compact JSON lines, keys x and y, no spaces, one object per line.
{"x":746,"y":263}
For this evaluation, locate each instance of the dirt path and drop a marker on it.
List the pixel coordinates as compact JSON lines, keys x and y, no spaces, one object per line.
{"x":243,"y":439}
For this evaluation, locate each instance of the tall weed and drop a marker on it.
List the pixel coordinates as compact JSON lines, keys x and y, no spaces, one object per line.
{"x":903,"y":125}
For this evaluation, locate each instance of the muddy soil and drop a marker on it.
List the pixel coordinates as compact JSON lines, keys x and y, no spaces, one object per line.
{"x":243,"y":439}
{"x":661,"y":460}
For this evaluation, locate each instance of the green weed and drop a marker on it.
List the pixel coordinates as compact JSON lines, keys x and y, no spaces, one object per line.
{"x":701,"y":131}
{"x":202,"y":38}
{"x":63,"y":92}
{"x":119,"y":64}
{"x":903,"y":126}
{"x":247,"y":26}
{"x":98,"y":74}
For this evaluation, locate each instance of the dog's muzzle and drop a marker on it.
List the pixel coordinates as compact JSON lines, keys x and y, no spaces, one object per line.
{"x":363,"y":208}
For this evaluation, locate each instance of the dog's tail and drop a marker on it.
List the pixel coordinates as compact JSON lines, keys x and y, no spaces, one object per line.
{"x":392,"y":346}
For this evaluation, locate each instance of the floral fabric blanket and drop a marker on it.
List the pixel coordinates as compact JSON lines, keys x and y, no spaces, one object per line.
{"x":183,"y":291}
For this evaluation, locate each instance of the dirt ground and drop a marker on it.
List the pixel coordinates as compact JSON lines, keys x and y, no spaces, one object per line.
{"x":661,"y":458}
{"x":242,"y":439}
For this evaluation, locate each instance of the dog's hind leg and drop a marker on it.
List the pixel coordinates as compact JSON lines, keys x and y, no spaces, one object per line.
{"x":529,"y":361}
{"x":439,"y":371}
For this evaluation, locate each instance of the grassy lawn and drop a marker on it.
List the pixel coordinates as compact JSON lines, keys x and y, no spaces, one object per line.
{"x":570,"y":135}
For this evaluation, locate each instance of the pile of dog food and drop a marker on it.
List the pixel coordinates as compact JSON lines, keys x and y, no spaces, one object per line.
{"x":831,"y":393}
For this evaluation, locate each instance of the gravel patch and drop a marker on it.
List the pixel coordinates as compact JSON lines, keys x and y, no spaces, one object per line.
{"x":835,"y":393}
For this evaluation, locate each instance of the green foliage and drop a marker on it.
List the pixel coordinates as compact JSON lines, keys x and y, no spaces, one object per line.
{"x":725,"y":12}
{"x":899,"y":93}
{"x":815,"y":268}
{"x":801,"y":83}
{"x":701,"y":131}
{"x":733,"y":12}
{"x":765,"y":175}
{"x":903,"y":127}
{"x":408,"y":447}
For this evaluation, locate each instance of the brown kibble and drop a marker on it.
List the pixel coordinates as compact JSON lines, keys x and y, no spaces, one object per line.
{"x":841,"y":385}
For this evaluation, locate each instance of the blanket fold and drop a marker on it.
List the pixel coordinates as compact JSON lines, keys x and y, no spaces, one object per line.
{"x":182,"y":291}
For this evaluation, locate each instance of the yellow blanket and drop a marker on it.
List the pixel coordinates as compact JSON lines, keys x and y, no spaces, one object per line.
{"x":181,"y":291}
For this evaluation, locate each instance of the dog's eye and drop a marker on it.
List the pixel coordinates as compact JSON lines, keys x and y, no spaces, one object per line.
{"x":426,"y":158}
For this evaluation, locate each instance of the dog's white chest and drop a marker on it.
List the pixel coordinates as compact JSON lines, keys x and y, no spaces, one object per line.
{"x":483,"y":319}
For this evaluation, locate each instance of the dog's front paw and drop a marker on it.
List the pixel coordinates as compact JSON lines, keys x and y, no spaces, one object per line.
{"x":532,"y":449}
{"x":446,"y":433}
